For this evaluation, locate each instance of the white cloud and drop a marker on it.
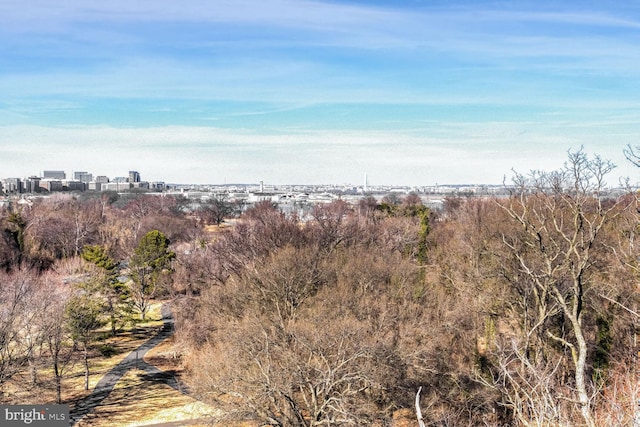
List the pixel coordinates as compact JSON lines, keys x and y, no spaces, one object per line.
{"x":482,"y":153}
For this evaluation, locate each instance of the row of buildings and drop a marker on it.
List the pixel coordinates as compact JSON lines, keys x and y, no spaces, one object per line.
{"x":56,"y":180}
{"x":52,"y":181}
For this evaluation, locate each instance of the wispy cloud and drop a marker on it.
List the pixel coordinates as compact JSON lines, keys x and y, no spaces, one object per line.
{"x":317,"y":23}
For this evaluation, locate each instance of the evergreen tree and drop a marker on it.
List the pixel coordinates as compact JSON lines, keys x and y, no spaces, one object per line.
{"x":150,"y":261}
{"x":117,"y":298}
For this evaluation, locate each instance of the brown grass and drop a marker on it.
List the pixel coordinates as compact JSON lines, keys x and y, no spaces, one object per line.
{"x":136,"y":400}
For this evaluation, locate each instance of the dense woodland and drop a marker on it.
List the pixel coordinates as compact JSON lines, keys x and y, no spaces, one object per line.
{"x":518,"y":311}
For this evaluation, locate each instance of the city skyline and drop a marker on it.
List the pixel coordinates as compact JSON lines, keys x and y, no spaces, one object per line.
{"x":316,"y":92}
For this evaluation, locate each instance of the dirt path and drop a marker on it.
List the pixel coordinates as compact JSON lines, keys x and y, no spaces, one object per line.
{"x":134,"y":360}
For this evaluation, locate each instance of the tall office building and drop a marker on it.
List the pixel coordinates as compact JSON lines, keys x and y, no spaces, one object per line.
{"x":134,"y":176}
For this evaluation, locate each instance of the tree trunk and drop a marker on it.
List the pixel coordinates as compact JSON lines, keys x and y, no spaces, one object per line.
{"x":33,"y":371}
{"x":580,"y":366}
{"x":58,"y":379}
{"x":86,"y":368}
{"x":113,"y":324}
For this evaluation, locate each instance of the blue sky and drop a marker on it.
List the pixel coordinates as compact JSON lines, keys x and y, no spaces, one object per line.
{"x":296,"y":91}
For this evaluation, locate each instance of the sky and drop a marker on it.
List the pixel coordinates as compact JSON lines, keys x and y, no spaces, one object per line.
{"x":414,"y":93}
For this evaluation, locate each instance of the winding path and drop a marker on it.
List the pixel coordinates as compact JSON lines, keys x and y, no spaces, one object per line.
{"x":134,"y":360}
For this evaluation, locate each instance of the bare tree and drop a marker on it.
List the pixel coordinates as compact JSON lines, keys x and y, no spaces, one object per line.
{"x":283,"y":282}
{"x":310,"y":374}
{"x":15,"y":294}
{"x":562,"y":218}
{"x":60,"y":227}
{"x":296,"y":343}
{"x":82,"y":317}
{"x":215,"y":210}
{"x":332,"y":225}
{"x":55,"y":331}
{"x":632,"y":154}
{"x":367,"y":207}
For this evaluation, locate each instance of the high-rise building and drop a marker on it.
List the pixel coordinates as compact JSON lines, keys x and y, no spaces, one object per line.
{"x":31,"y":184}
{"x":134,"y":176}
{"x":54,"y":175}
{"x":83,"y":176}
{"x":12,"y":185}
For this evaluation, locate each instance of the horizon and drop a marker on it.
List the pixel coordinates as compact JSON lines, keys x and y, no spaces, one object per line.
{"x":413,"y":93}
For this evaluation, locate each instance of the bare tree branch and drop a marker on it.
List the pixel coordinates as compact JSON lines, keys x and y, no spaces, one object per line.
{"x":418,"y":411}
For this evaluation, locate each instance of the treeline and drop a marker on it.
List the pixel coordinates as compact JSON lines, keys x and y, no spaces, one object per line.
{"x":517,"y":311}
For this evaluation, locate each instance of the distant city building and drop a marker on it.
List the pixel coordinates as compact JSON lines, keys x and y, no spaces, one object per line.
{"x":95,"y":186}
{"x":54,"y":175}
{"x":73,"y":186}
{"x":98,"y":184}
{"x":55,"y":180}
{"x":31,"y":185}
{"x":134,"y":176}
{"x":140,"y":184}
{"x":51,"y":185}
{"x":12,"y":185}
{"x":83,"y":177}
{"x":261,"y":197}
{"x":116,"y":186}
